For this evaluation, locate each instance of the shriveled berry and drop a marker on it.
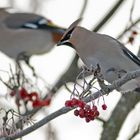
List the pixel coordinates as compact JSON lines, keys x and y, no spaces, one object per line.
{"x":94,"y":108}
{"x":97,"y":113}
{"x":87,"y":107}
{"x":13,"y":93}
{"x":131,"y":40}
{"x":76,"y":112}
{"x":104,"y":106}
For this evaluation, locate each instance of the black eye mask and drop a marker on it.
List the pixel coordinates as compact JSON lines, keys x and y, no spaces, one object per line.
{"x":68,"y":35}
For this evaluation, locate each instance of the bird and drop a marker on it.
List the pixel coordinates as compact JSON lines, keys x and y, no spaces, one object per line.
{"x":114,"y":59}
{"x":25,"y":34}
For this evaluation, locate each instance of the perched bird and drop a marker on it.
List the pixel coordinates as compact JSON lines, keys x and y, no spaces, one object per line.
{"x":94,"y":49}
{"x":25,"y":34}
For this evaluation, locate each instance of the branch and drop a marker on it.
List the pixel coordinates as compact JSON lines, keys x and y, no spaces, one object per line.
{"x":128,"y":28}
{"x":83,"y":8}
{"x":64,"y":110}
{"x":108,"y":15}
{"x":113,"y":125}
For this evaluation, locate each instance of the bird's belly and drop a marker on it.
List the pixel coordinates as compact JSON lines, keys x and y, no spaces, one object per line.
{"x":31,"y":44}
{"x":112,"y":72}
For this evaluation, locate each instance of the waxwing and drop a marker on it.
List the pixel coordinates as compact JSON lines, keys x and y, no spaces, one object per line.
{"x":27,"y":34}
{"x":94,"y":49}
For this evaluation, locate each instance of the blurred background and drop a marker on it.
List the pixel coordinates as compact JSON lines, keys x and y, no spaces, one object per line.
{"x":117,"y":18}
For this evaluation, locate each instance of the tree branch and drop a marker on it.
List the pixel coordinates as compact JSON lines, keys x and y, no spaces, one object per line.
{"x":108,"y":15}
{"x":63,"y":110}
{"x":83,"y":8}
{"x":128,"y":28}
{"x":113,"y":125}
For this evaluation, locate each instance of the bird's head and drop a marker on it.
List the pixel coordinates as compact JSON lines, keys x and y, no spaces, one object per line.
{"x":3,"y":13}
{"x":68,"y":38}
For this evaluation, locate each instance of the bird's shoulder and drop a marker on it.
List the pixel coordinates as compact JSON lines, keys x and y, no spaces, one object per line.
{"x":124,"y":50}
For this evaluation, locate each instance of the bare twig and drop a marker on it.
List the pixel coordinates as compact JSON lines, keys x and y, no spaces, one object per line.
{"x":101,"y":120}
{"x":83,"y":8}
{"x":128,"y":28}
{"x":131,"y":11}
{"x":108,"y":15}
{"x":51,"y":133}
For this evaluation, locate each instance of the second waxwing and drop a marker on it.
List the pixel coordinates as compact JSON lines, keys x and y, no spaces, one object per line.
{"x":112,"y":56}
{"x":27,"y":34}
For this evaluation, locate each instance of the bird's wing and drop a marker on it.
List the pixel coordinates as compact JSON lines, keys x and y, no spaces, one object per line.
{"x":30,"y":21}
{"x":130,"y":55}
{"x":126,"y":52}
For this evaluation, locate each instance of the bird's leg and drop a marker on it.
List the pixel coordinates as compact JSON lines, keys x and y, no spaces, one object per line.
{"x":26,"y":58}
{"x":27,"y":61}
{"x":100,"y":79}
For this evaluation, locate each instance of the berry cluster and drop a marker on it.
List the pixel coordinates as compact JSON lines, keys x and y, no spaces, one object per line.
{"x":32,"y":96}
{"x":89,"y":112}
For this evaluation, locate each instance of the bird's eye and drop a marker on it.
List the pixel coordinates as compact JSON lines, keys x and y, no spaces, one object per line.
{"x":68,"y":36}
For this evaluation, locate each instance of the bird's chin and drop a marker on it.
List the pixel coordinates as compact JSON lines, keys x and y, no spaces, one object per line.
{"x":65,"y":43}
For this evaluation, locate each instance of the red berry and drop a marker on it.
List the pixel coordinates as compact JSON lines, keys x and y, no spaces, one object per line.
{"x":68,"y":103}
{"x":81,"y":104}
{"x":81,"y":113}
{"x":76,"y":112}
{"x":74,"y":101}
{"x":92,"y":113}
{"x":87,"y":120}
{"x":47,"y":102}
{"x":23,"y":93}
{"x":36,"y":103}
{"x":104,"y":106}
{"x":92,"y":117}
{"x":33,"y":96}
